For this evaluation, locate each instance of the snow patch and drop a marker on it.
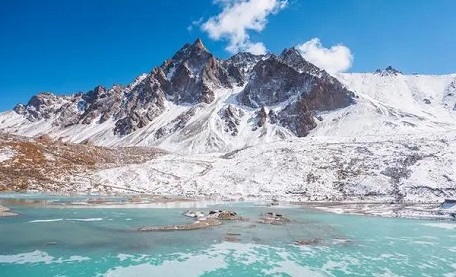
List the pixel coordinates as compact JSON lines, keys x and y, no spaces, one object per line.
{"x":7,"y":154}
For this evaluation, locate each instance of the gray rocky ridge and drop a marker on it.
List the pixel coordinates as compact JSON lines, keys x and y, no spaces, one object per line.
{"x":284,"y":90}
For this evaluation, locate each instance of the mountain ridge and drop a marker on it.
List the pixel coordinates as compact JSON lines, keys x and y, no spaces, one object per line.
{"x":197,"y":103}
{"x":193,"y":81}
{"x":248,"y":127}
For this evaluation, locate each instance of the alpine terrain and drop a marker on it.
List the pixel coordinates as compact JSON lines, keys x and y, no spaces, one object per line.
{"x":268,"y":126}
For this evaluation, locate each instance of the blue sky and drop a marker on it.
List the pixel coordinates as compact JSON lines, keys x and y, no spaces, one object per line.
{"x":69,"y":46}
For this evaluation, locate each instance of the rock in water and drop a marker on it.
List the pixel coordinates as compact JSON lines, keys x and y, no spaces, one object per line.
{"x":273,"y":218}
{"x":193,"y":226}
{"x":4,"y":212}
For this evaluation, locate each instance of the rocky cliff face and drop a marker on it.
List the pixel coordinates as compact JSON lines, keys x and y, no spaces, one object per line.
{"x":295,"y":84}
{"x":43,"y":106}
{"x":193,"y":75}
{"x":283,"y":91}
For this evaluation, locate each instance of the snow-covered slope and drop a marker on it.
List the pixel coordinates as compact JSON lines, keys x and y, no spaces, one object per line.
{"x":412,"y":169}
{"x":207,"y":128}
{"x":393,"y":105}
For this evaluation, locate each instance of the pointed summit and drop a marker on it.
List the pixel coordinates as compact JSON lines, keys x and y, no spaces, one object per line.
{"x":199,"y":44}
{"x":293,"y":58}
{"x":192,"y":75}
{"x":190,"y":56}
{"x":293,"y":52}
{"x":389,"y":71}
{"x":195,"y":47}
{"x":191,"y":50}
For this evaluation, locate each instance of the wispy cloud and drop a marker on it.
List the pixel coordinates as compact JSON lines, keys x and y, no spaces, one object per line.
{"x":237,"y":18}
{"x":337,"y":58}
{"x":195,"y":23}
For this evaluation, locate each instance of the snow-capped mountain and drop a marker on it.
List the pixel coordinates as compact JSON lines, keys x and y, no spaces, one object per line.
{"x":270,"y":127}
{"x":196,"y":103}
{"x":193,"y":102}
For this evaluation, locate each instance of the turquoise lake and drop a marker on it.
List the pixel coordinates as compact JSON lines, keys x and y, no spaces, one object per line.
{"x":67,"y":241}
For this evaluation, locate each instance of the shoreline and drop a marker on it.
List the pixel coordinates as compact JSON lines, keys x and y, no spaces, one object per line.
{"x":411,"y":210}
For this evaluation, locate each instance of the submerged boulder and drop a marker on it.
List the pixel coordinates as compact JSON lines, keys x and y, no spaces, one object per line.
{"x":4,"y":212}
{"x":273,"y":218}
{"x":232,"y":239}
{"x":314,"y":241}
{"x":200,"y":224}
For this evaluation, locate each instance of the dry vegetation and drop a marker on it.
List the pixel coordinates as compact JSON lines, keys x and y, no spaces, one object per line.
{"x":46,"y":164}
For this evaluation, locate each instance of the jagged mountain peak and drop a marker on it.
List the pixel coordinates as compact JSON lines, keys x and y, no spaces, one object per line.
{"x":292,"y":52}
{"x":240,"y":65}
{"x":388,"y":71}
{"x":243,"y":57}
{"x":293,"y":58}
{"x":199,"y":44}
{"x":191,"y":50}
{"x":191,"y":58}
{"x":194,"y":98}
{"x":290,"y":82}
{"x":97,"y":92}
{"x":192,"y":75}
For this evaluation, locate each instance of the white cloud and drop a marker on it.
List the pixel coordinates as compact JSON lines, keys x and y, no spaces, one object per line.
{"x":338,"y":58}
{"x":256,"y":48}
{"x":237,"y":18}
{"x":195,"y":23}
